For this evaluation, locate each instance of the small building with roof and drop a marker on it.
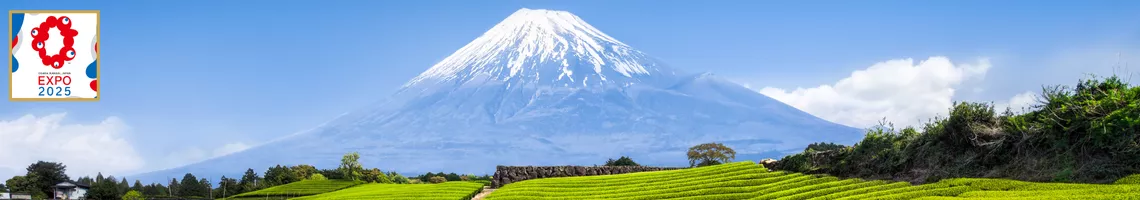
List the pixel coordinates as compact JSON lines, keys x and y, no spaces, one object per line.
{"x":70,"y":190}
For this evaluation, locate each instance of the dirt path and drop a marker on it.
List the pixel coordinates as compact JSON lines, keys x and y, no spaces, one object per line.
{"x":486,"y":190}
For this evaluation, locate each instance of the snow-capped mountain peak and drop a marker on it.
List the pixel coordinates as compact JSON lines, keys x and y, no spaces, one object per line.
{"x":543,"y":46}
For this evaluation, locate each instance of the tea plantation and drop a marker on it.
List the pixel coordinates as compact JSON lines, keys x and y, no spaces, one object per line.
{"x":443,"y":191}
{"x":747,"y":180}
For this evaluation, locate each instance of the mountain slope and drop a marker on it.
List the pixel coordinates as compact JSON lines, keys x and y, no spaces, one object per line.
{"x":543,"y":88}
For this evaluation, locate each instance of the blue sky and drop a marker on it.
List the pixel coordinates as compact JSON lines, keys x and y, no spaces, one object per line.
{"x":183,"y":79}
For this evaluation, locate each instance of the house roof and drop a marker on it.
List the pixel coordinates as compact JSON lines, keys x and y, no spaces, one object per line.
{"x":72,"y":184}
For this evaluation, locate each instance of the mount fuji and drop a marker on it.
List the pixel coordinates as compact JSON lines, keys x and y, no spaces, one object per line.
{"x":542,"y":87}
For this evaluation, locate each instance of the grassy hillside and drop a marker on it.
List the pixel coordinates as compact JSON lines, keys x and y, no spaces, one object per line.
{"x":456,"y":190}
{"x":1088,"y":133}
{"x":747,"y":180}
{"x":297,"y":189}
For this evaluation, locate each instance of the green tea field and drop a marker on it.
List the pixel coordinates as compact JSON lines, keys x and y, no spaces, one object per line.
{"x":747,"y":180}
{"x":444,"y":191}
{"x":297,"y":189}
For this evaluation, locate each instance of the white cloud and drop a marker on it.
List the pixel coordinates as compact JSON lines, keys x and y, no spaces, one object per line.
{"x":194,"y":155}
{"x":85,"y":149}
{"x":901,"y":91}
{"x":1018,"y":103}
{"x":230,"y":148}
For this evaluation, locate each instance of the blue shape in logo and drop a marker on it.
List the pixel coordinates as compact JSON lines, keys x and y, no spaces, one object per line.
{"x":92,"y":69}
{"x":15,"y":64}
{"x":17,"y":21}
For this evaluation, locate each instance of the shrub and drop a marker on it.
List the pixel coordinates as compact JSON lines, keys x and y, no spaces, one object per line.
{"x":437,"y":179}
{"x":317,"y":177}
{"x":623,"y":161}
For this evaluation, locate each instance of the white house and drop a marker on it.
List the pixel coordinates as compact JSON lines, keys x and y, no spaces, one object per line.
{"x":70,"y":190}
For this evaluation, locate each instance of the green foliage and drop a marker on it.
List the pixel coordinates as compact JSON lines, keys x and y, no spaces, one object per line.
{"x":710,"y":154}
{"x":318,"y":177}
{"x":133,"y":195}
{"x":279,"y":175}
{"x":42,"y":176}
{"x":623,"y":161}
{"x":3,"y":188}
{"x":191,"y":186}
{"x":450,"y":190}
{"x":303,"y":171}
{"x":400,"y":179}
{"x":104,"y":188}
{"x":249,"y":182}
{"x":301,"y":188}
{"x":375,"y":176}
{"x":227,"y":187}
{"x":350,"y":168}
{"x":1088,"y":133}
{"x":1131,"y":179}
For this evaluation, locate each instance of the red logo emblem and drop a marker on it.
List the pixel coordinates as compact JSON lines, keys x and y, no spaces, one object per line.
{"x":40,"y":35}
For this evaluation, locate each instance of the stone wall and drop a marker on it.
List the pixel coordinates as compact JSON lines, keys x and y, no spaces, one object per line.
{"x":510,"y":174}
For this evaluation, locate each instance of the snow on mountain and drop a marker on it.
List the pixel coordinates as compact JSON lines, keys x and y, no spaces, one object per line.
{"x":542,"y":87}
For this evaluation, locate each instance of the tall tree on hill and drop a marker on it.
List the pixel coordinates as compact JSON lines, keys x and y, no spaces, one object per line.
{"x":710,"y":154}
{"x":279,"y":175}
{"x":86,"y":180}
{"x":350,"y":167}
{"x":172,"y":189}
{"x":104,"y":188}
{"x":137,"y":186}
{"x":99,"y":177}
{"x":189,"y":186}
{"x":204,"y":187}
{"x":123,"y":186}
{"x":249,"y":181}
{"x":43,"y":175}
{"x":227,"y":187}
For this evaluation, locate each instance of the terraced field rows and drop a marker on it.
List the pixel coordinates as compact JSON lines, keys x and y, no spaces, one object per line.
{"x":457,"y":190}
{"x":297,"y":189}
{"x":747,"y":180}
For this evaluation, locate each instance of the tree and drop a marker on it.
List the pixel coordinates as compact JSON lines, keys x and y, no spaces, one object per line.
{"x":104,"y":188}
{"x":279,"y":175}
{"x":249,"y":181}
{"x":331,"y":174}
{"x":98,"y":177}
{"x":133,"y":195}
{"x":350,"y":167}
{"x":204,"y":187}
{"x":86,"y":180}
{"x":124,"y":186}
{"x":710,"y":154}
{"x":399,"y":179}
{"x":189,"y":187}
{"x":304,"y":171}
{"x":17,"y":184}
{"x":623,"y":161}
{"x":138,"y":186}
{"x":3,"y":188}
{"x":227,"y":187}
{"x":437,"y":179}
{"x":43,"y":175}
{"x":173,"y":188}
